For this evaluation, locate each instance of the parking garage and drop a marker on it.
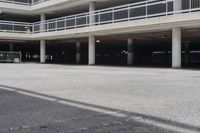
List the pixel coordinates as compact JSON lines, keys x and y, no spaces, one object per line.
{"x":147,"y":49}
{"x":139,"y":33}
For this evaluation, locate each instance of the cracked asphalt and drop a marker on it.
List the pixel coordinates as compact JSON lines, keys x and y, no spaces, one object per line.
{"x":44,"y":98}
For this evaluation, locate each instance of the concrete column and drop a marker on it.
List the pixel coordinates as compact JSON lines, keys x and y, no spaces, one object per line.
{"x":177,"y":5}
{"x":176,"y":48}
{"x":91,"y":45}
{"x":42,"y":19}
{"x":187,"y":53}
{"x":42,"y":51}
{"x":11,"y":47}
{"x":92,"y":16}
{"x":42,"y":42}
{"x":91,"y":50}
{"x":130,"y":52}
{"x":78,"y":52}
{"x":28,"y":30}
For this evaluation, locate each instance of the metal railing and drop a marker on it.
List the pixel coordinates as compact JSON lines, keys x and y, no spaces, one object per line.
{"x":15,"y":27}
{"x":130,"y":12}
{"x":140,"y":10}
{"x":34,"y":2}
{"x":24,"y":2}
{"x":10,"y":57}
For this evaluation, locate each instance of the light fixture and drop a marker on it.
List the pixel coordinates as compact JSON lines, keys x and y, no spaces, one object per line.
{"x":98,"y":41}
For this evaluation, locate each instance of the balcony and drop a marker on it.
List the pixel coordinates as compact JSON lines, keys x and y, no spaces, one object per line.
{"x":15,"y":27}
{"x":130,"y":12}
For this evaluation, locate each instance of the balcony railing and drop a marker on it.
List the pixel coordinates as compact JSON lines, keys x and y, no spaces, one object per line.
{"x":15,"y":27}
{"x":140,"y":10}
{"x":130,"y":12}
{"x":34,"y":2}
{"x":24,"y":2}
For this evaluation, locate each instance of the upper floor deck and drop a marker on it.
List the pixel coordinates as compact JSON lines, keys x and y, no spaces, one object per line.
{"x":145,"y":10}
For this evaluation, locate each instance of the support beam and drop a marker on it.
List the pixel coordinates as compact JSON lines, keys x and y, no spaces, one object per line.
{"x":91,"y":50}
{"x":130,"y":52}
{"x":176,"y":48}
{"x":78,"y":52}
{"x":11,"y":47}
{"x":42,"y":51}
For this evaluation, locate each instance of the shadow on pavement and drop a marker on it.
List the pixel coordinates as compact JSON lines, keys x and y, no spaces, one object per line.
{"x":24,"y":111}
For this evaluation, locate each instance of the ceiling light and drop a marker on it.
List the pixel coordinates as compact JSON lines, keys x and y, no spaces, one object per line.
{"x":98,"y":41}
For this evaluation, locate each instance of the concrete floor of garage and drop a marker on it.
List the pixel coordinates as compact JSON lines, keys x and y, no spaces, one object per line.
{"x":44,"y":98}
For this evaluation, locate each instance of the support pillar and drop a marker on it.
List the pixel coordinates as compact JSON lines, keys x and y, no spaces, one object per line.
{"x":28,"y":30}
{"x":177,"y":6}
{"x":42,"y":51}
{"x":42,"y":19}
{"x":176,"y":48}
{"x":130,"y":52}
{"x":42,"y":42}
{"x":91,"y":11}
{"x":78,"y":52}
{"x":91,"y":50}
{"x":11,"y":47}
{"x":91,"y":45}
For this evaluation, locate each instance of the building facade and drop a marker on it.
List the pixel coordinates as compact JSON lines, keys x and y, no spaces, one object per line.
{"x":132,"y":32}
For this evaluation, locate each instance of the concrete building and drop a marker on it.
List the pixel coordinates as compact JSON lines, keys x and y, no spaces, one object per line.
{"x":131,"y":32}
